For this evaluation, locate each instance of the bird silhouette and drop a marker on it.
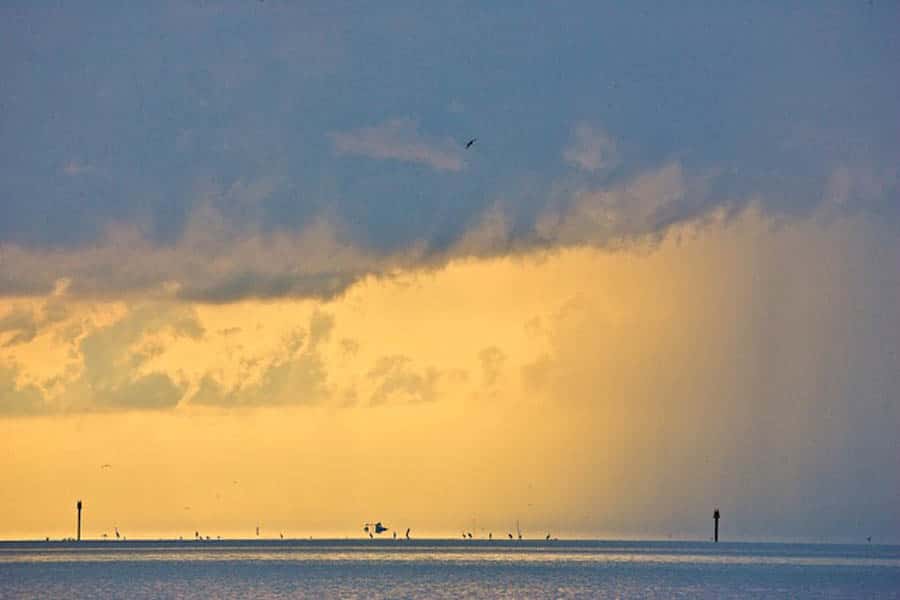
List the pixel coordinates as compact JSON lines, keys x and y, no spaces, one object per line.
{"x":470,"y":142}
{"x":375,"y":527}
{"x":407,"y":533}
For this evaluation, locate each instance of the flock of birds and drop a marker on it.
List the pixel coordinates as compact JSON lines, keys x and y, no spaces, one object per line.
{"x":372,"y":529}
{"x":377,"y":528}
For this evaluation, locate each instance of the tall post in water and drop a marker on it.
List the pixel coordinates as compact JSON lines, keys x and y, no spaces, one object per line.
{"x":716,"y":519}
{"x":78,"y":534}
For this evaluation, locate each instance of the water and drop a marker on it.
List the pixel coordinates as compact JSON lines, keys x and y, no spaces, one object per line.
{"x":446,"y":569}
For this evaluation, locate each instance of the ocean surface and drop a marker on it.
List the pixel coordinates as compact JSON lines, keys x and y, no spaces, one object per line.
{"x":445,"y":569}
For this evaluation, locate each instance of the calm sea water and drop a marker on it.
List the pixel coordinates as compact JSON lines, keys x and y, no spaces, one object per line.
{"x":446,"y":569}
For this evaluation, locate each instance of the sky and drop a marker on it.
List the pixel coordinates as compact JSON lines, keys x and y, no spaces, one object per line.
{"x":251,"y":275}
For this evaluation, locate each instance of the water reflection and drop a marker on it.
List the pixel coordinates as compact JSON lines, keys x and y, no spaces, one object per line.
{"x":342,"y":551}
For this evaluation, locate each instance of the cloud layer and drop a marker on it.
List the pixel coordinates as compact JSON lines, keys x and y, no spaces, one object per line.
{"x":346,"y":118}
{"x":218,"y":259}
{"x":400,"y":139}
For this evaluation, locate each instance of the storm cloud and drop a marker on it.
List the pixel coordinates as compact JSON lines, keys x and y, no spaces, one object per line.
{"x":183,"y":166}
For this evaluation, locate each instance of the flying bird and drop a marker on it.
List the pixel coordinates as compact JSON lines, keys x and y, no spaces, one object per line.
{"x":106,"y":466}
{"x":470,"y":142}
